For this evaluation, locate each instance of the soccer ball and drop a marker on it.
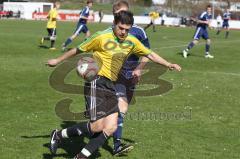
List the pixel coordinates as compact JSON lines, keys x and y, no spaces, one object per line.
{"x":87,"y":68}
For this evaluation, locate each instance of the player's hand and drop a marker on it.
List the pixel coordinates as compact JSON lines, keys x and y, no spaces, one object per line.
{"x":89,"y":18}
{"x":174,"y":67}
{"x":137,"y":74}
{"x":192,"y":18}
{"x":52,"y":62}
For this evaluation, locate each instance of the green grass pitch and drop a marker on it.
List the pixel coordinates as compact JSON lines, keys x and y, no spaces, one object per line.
{"x":200,"y":115}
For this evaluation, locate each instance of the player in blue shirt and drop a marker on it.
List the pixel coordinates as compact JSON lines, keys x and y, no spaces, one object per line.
{"x":128,"y":77}
{"x":225,"y":25}
{"x":201,"y":31}
{"x":81,"y":26}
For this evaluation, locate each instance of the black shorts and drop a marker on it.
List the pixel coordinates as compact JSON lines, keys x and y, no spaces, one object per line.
{"x":81,"y":28}
{"x":125,"y":87}
{"x":100,"y":98}
{"x":52,"y":31}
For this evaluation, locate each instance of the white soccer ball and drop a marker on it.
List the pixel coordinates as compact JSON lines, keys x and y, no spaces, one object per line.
{"x":87,"y":68}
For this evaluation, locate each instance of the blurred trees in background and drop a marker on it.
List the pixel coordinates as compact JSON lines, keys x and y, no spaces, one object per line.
{"x":135,"y":2}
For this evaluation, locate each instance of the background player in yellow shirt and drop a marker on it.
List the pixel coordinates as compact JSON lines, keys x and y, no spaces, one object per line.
{"x":52,"y":25}
{"x":153,"y":16}
{"x":110,"y":48}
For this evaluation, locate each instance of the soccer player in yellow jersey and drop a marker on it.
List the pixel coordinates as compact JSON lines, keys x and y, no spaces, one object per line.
{"x":110,"y":48}
{"x":153,"y":16}
{"x":52,"y":25}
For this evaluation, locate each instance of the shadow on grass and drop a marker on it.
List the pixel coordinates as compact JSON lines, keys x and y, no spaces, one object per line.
{"x":70,"y":146}
{"x":43,"y":47}
{"x":128,"y":140}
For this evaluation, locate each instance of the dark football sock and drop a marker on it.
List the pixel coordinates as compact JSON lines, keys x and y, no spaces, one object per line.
{"x":46,"y":38}
{"x":93,"y":145}
{"x":190,"y":46}
{"x":207,"y":48}
{"x":67,"y":42}
{"x":117,"y":135}
{"x":52,"y":43}
{"x":145,"y":28}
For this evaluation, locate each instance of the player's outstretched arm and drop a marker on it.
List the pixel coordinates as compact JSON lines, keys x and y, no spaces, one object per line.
{"x":137,"y":72}
{"x":200,"y":21}
{"x":203,"y":22}
{"x":70,"y":53}
{"x":157,"y":59}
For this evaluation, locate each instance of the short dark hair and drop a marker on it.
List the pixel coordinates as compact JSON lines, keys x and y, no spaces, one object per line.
{"x":118,"y":4}
{"x":124,"y":17}
{"x":89,"y":1}
{"x":209,"y":6}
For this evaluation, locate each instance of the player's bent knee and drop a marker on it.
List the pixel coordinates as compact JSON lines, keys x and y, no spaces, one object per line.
{"x":74,"y":36}
{"x":97,"y":126}
{"x":53,"y":38}
{"x":110,"y":124}
{"x":208,"y":41}
{"x":109,"y":130}
{"x":123,"y":104}
{"x":195,"y":42}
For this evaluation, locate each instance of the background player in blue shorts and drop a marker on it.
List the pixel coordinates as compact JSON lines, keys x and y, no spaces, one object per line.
{"x":225,"y":25}
{"x":81,"y":26}
{"x":201,"y":31}
{"x":127,"y":79}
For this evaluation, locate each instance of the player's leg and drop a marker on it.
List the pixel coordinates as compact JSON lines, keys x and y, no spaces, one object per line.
{"x":87,"y":34}
{"x":219,"y":30}
{"x":124,"y":97}
{"x":86,"y":31}
{"x":208,"y":42}
{"x":86,"y":128}
{"x":117,"y":136}
{"x":83,"y":128}
{"x":119,"y":147}
{"x":70,"y":39}
{"x":106,"y":108}
{"x":53,"y":38}
{"x":207,"y":49}
{"x":196,"y":37}
{"x":190,"y":46}
{"x":121,"y":91}
{"x":227,"y":31}
{"x":46,"y":37}
{"x":110,"y":125}
{"x":146,"y":27}
{"x":154,"y":27}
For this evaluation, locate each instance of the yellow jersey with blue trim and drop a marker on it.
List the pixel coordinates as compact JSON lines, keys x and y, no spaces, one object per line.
{"x":52,"y":14}
{"x":110,"y":53}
